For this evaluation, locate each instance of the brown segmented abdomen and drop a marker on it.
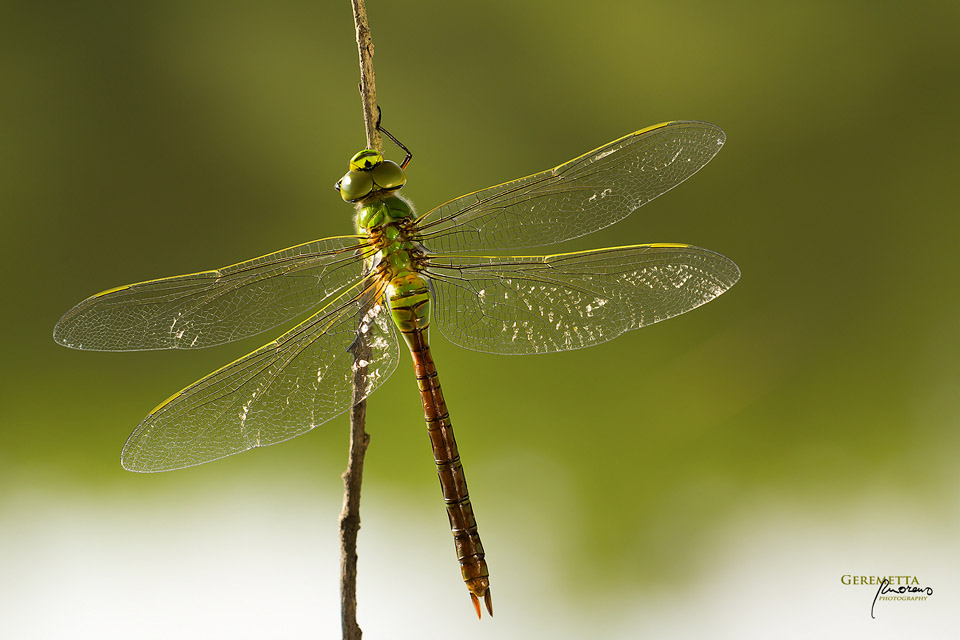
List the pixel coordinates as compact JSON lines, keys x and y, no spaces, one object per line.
{"x":412,"y":319}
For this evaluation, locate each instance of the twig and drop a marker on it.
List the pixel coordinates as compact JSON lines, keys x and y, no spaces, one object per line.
{"x":359,"y":439}
{"x":368,"y":85}
{"x":352,"y":478}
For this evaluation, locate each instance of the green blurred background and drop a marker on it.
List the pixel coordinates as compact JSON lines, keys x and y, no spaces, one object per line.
{"x":713,"y":476}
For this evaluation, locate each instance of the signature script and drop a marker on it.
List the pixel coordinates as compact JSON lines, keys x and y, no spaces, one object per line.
{"x":886,"y":588}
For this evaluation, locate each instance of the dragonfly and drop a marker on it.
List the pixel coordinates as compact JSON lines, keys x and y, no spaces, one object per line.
{"x":399,"y":273}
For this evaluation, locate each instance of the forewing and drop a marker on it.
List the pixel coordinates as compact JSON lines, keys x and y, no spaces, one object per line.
{"x":213,"y":307}
{"x":539,"y":304}
{"x":275,"y":393}
{"x":582,"y":196}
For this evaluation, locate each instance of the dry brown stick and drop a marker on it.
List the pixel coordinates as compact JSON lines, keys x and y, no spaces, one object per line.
{"x":359,"y":439}
{"x":350,"y":515}
{"x":368,"y":85}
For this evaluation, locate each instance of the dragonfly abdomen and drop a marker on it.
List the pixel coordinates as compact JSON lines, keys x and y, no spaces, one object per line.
{"x":410,"y":304}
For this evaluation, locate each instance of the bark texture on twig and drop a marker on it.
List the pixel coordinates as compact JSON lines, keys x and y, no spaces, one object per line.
{"x":368,"y":85}
{"x":359,"y":439}
{"x":350,"y":515}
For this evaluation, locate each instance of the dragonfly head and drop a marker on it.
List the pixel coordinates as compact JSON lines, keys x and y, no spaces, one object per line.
{"x":369,"y":173}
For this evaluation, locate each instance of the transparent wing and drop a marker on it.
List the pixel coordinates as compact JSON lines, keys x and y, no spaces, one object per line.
{"x":538,"y":304}
{"x":275,"y":393}
{"x":213,"y":307}
{"x":586,"y":194}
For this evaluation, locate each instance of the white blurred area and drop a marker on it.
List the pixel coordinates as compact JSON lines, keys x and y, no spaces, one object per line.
{"x":244,"y":563}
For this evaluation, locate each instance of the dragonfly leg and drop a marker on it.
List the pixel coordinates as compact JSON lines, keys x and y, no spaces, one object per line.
{"x":409,"y":156}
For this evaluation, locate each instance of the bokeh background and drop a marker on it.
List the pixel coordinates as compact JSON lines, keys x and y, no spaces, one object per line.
{"x":712,"y":476}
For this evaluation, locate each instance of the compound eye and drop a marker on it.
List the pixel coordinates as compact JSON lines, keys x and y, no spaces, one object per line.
{"x":356,"y":185}
{"x":365,"y":160}
{"x":388,"y":175}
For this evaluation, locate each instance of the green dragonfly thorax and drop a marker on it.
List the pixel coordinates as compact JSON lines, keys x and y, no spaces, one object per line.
{"x":370,"y":175}
{"x":376,"y":212}
{"x":387,"y":222}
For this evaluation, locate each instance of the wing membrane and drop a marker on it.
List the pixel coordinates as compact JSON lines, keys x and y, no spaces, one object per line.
{"x":275,"y":393}
{"x":538,"y":304}
{"x":213,"y":307}
{"x":576,"y":198}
